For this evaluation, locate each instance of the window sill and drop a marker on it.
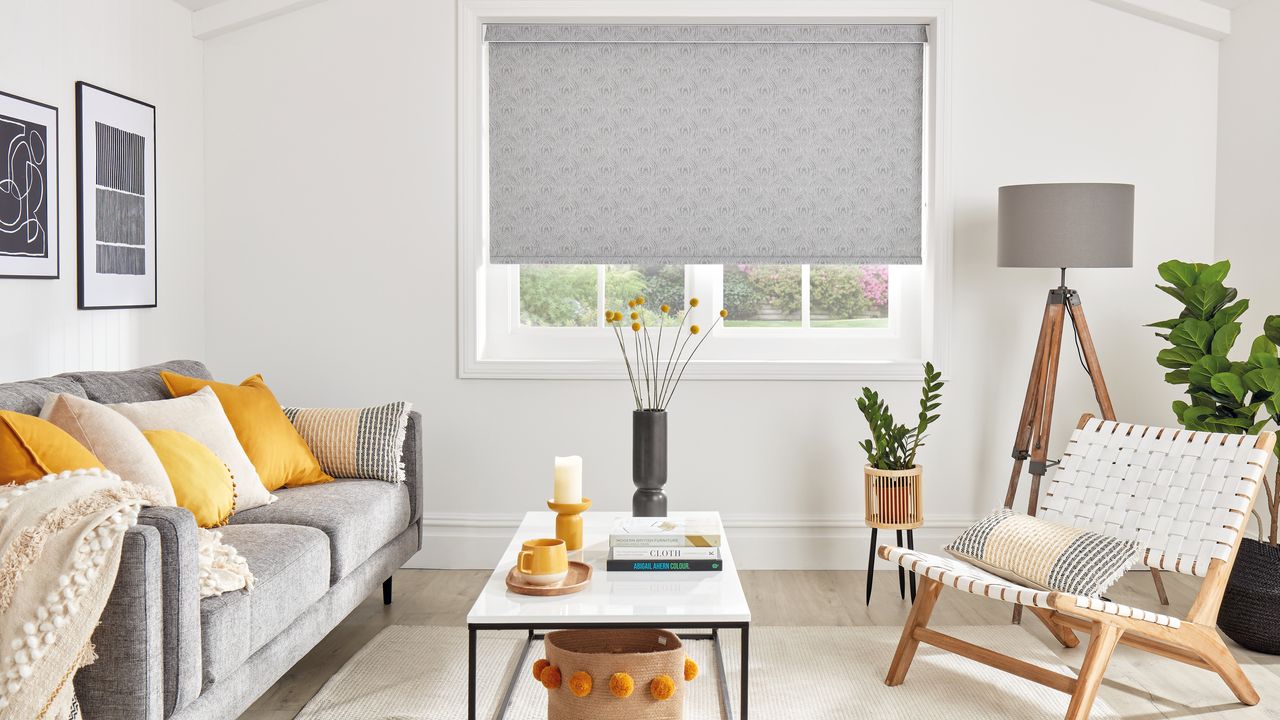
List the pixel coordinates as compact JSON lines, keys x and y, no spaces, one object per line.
{"x":900,"y":370}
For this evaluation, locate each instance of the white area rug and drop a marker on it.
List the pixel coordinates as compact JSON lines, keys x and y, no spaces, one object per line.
{"x":806,"y":673}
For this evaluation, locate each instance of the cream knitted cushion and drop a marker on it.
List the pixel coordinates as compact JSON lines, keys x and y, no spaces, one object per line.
{"x":1045,"y":555}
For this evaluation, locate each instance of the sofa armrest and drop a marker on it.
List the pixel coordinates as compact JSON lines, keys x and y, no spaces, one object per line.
{"x":127,"y":680}
{"x":180,"y":595}
{"x":413,"y":469}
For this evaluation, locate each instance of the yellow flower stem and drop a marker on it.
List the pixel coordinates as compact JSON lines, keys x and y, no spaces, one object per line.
{"x":645,"y":402}
{"x":701,"y":340}
{"x":650,"y":367}
{"x":666,"y":371}
{"x":631,"y":378}
{"x":657,"y":353}
{"x":671,"y":380}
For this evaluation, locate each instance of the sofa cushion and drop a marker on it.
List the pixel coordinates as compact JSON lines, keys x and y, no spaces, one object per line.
{"x":359,"y":516}
{"x":139,"y":385}
{"x":290,"y":565}
{"x":27,"y":397}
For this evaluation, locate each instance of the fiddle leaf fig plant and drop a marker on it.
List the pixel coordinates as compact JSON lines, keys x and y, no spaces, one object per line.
{"x":1224,"y":395}
{"x":893,"y":446}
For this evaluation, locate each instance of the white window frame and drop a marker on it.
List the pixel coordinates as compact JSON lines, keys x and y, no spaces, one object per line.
{"x":486,"y":320}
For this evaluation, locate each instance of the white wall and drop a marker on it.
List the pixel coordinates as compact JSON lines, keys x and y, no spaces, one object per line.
{"x":1248,"y":155}
{"x":143,"y":49}
{"x":331,"y":264}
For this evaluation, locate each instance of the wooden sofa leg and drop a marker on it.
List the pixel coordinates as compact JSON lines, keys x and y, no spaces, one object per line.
{"x":1061,"y":633}
{"x":1215,"y":652}
{"x":921,"y":609}
{"x":1102,"y":642}
{"x":386,"y":591}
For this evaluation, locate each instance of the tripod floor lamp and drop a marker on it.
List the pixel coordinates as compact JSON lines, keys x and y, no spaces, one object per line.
{"x":1061,"y":225}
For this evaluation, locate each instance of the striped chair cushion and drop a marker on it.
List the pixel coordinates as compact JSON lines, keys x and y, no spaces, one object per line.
{"x":1045,"y":555}
{"x":356,"y":442}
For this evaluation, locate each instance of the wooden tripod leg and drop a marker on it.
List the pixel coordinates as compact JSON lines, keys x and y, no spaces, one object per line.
{"x":921,"y":609}
{"x":1041,"y":418}
{"x":1091,"y":358}
{"x":1102,"y":642}
{"x":1022,"y":441}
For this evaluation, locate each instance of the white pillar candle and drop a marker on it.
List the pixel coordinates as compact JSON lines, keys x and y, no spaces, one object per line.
{"x":568,"y":483}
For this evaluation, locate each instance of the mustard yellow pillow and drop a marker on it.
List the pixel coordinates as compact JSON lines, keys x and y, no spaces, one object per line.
{"x":31,"y":448}
{"x":201,"y":482}
{"x":275,"y":448}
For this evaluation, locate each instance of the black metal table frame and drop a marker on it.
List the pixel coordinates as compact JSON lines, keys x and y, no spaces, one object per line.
{"x":743,"y":628}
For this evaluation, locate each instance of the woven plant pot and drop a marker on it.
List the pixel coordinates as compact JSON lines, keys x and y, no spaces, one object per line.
{"x":641,"y":653}
{"x":1250,"y":612}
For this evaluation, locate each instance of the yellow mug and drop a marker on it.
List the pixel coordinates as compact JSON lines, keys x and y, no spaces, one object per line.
{"x":543,"y":561}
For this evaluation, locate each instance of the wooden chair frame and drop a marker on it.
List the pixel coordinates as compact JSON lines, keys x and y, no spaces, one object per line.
{"x":1194,"y":641}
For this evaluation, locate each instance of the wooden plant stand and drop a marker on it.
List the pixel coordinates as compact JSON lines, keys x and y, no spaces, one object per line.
{"x":893,"y":502}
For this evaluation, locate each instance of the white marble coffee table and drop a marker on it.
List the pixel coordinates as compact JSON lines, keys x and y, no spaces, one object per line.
{"x":711,"y":601}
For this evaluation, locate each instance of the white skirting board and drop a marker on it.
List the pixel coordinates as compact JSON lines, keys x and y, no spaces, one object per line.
{"x":476,"y":541}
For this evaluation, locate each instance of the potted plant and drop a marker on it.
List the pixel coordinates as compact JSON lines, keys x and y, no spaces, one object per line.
{"x":892,"y":475}
{"x":1229,"y":396}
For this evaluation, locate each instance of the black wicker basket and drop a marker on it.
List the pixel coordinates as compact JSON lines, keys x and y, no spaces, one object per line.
{"x":1250,"y":612}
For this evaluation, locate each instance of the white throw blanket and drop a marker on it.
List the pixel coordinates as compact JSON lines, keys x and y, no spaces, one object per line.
{"x":222,"y":569}
{"x":60,"y":538}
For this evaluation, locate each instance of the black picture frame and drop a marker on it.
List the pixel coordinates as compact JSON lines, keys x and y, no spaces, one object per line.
{"x":83,"y":290}
{"x":52,"y":191}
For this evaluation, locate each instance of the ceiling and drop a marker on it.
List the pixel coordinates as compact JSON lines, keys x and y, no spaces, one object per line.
{"x":1228,"y":4}
{"x":198,"y":4}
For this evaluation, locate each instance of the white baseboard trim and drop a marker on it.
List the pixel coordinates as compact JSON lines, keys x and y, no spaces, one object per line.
{"x":468,"y":541}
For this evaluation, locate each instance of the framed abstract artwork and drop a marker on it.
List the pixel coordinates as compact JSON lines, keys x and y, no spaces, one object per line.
{"x":28,"y":188}
{"x":116,"y":179}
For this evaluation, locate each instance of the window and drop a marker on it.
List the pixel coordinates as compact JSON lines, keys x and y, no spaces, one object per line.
{"x":756,"y":296}
{"x":821,"y":319}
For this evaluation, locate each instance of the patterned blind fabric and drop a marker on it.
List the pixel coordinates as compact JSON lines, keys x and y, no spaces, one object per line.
{"x":705,"y":143}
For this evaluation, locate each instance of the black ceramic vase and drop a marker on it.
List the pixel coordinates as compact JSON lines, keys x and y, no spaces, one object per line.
{"x":649,"y":462}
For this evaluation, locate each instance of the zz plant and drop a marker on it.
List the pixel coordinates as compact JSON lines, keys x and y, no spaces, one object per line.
{"x":893,"y":446}
{"x":1224,"y":395}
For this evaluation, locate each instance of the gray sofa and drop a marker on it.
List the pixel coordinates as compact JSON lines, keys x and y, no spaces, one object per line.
{"x":315,"y":555}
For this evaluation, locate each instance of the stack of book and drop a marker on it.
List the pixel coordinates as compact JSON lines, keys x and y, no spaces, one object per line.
{"x":686,"y":544}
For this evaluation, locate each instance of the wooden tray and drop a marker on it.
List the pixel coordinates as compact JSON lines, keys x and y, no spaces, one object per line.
{"x":578,"y":578}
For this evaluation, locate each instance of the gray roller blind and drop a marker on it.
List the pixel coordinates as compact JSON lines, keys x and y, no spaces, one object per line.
{"x":705,"y":143}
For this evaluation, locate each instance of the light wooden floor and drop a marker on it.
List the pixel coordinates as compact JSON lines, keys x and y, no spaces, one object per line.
{"x":443,"y":597}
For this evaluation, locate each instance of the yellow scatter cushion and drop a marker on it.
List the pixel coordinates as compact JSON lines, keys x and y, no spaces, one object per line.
{"x":201,"y":482}
{"x":275,"y":448}
{"x":31,"y":448}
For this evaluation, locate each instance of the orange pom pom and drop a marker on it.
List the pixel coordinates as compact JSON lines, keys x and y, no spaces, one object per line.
{"x":690,"y":669}
{"x":639,"y":299}
{"x":724,"y":313}
{"x":580,"y":684}
{"x":693,"y":302}
{"x":538,"y":667}
{"x":695,"y":329}
{"x":631,"y":303}
{"x":635,"y":326}
{"x":551,"y":677}
{"x":662,"y":687}
{"x":666,"y":308}
{"x":621,"y":685}
{"x":635,"y":316}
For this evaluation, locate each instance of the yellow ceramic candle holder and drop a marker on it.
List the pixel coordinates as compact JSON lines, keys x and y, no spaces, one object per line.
{"x":569,"y":522}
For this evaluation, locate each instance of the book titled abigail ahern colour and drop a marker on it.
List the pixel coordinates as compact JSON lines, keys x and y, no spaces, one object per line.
{"x":701,"y":530}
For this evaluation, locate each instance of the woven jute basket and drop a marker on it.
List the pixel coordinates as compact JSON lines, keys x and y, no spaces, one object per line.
{"x":641,"y":653}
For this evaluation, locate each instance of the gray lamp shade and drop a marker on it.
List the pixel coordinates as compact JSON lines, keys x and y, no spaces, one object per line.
{"x":1066,"y":225}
